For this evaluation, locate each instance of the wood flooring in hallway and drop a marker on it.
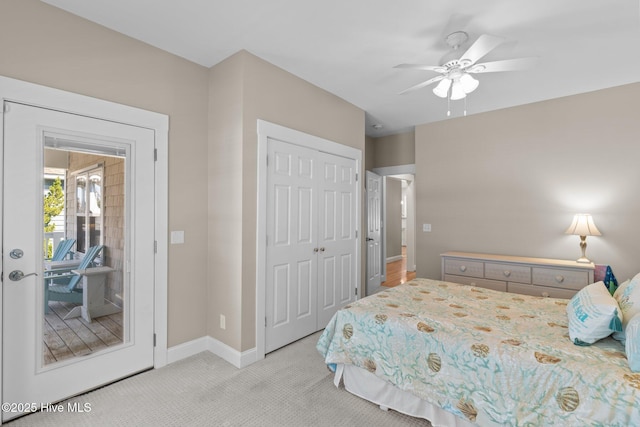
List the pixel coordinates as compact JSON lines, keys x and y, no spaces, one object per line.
{"x":397,"y":271}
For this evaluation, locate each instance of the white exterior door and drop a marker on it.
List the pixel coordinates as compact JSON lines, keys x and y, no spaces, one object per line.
{"x":28,"y":376}
{"x":374,"y":222}
{"x":311,"y":240}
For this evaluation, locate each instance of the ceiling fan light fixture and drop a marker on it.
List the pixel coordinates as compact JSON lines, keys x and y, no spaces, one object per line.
{"x":455,"y":39}
{"x":469,"y":84}
{"x":442,"y":90}
{"x":457,"y":91}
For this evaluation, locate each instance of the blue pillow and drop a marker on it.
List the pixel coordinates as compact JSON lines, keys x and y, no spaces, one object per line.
{"x":593,"y":314}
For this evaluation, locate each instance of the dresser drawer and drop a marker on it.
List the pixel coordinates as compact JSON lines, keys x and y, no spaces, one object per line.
{"x":509,"y":272}
{"x":540,"y":291}
{"x":567,"y":279}
{"x":462,"y":267}
{"x":473,"y":281}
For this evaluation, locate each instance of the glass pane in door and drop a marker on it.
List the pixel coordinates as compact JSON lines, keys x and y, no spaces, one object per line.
{"x":85,"y":298}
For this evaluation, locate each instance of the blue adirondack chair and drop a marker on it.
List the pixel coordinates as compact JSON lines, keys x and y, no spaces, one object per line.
{"x":63,"y":248}
{"x":64,"y":287}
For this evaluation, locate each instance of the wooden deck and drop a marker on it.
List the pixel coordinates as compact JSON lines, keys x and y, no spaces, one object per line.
{"x":64,"y":339}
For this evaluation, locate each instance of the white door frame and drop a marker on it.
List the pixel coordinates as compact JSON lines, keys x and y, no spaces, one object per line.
{"x":266,"y":131}
{"x":45,"y":97}
{"x":396,"y":170}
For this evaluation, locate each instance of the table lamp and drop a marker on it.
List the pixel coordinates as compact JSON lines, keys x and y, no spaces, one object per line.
{"x":583,"y":226}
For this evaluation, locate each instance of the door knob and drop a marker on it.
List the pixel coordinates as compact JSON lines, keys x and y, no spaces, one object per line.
{"x":17,"y":275}
{"x":321,"y":249}
{"x":369,"y":239}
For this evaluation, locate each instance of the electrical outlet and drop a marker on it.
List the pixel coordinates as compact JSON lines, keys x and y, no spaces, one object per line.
{"x":223,"y":322}
{"x":426,"y":227}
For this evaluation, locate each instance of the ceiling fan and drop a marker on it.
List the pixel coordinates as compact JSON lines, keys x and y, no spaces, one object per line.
{"x":456,"y":80}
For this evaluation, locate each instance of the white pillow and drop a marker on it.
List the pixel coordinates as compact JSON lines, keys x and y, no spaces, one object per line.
{"x":632,"y":344}
{"x":628,"y":298}
{"x":621,"y":288}
{"x":593,"y":314}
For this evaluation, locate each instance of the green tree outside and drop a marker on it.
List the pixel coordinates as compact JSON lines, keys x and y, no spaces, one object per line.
{"x":53,"y":206}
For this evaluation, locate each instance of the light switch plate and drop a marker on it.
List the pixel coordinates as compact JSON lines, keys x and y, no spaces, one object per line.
{"x":177,"y":237}
{"x":426,"y":227}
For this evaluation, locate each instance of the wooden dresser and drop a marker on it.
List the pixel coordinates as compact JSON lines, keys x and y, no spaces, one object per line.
{"x":531,"y":276}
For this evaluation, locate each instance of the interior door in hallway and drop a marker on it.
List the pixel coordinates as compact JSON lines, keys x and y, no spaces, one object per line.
{"x":374,"y":229}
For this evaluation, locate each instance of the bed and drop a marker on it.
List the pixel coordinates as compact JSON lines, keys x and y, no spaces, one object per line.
{"x":460,"y":355}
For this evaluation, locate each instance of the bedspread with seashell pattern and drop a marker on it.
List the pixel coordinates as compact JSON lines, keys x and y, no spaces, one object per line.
{"x":493,"y":358}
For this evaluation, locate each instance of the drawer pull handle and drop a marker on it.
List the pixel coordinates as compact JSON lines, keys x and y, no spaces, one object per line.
{"x":463,"y":268}
{"x":559,"y":279}
{"x":507,"y":273}
{"x":545,"y":294}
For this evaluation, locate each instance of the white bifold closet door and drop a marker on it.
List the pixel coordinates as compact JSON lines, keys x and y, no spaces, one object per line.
{"x":311,"y":240}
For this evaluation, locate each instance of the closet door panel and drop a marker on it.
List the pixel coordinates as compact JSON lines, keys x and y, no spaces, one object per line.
{"x":337,"y":235}
{"x":292,"y":223}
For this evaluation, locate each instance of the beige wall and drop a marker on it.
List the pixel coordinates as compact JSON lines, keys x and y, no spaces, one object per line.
{"x":225,"y":174}
{"x":392,"y":150}
{"x":369,"y":153}
{"x":510,"y":181}
{"x":45,"y":45}
{"x":272,"y":94}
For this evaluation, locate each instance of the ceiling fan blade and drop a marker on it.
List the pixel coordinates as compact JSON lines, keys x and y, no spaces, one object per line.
{"x":423,"y":84}
{"x":504,"y":65}
{"x":437,"y":68}
{"x":481,"y":47}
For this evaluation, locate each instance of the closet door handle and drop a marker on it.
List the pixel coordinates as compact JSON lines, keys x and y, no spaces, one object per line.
{"x":321,"y":249}
{"x":315,"y":250}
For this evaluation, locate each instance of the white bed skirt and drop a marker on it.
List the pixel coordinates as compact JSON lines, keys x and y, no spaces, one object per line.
{"x":366,"y":385}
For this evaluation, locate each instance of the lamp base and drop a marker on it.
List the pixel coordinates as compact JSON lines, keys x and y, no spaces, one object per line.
{"x":583,"y":247}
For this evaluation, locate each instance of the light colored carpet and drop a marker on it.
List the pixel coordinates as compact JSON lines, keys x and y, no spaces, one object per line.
{"x":290,"y":387}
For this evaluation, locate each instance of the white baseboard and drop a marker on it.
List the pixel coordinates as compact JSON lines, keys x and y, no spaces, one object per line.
{"x":231,"y":355}
{"x":394,"y":258}
{"x":220,"y":349}
{"x":187,"y":349}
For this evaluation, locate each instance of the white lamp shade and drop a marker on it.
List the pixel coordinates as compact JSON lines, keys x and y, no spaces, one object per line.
{"x":469,"y":84}
{"x":583,"y":225}
{"x":442,"y":90}
{"x":457,"y":92}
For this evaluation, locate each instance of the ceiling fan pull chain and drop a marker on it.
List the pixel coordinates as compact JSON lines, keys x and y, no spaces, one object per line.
{"x":465,"y":106}
{"x":448,"y":106}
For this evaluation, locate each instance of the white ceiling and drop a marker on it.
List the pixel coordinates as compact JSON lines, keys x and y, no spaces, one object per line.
{"x":349,"y":47}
